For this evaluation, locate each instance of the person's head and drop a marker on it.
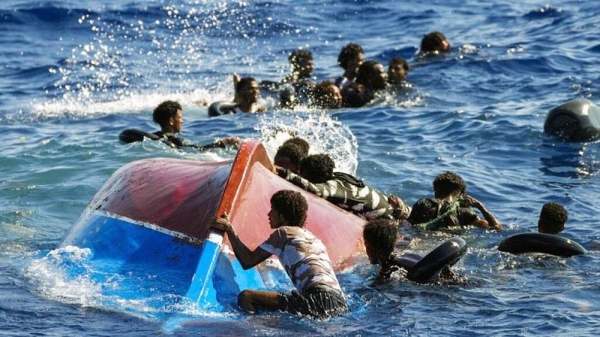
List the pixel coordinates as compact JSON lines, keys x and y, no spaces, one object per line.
{"x":553,"y":218}
{"x":380,"y":238}
{"x":355,"y":95}
{"x":372,"y":75}
{"x":247,"y":90}
{"x":317,"y":168}
{"x":351,"y":57}
{"x":302,"y":64}
{"x":168,"y":115}
{"x":301,"y":142}
{"x":327,"y":95}
{"x":434,"y":43}
{"x":289,"y":156}
{"x":397,"y":70}
{"x":447,"y":184}
{"x":288,"y":208}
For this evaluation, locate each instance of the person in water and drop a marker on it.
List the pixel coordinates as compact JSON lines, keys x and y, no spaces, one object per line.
{"x":297,"y":87}
{"x":301,"y":142}
{"x":290,"y":156}
{"x":397,"y":71}
{"x":370,"y":79}
{"x":380,"y":236}
{"x":302,"y":64}
{"x":350,"y":58}
{"x":434,"y":43}
{"x":291,"y":153}
{"x":553,"y":218}
{"x":341,"y":189}
{"x":318,"y":293}
{"x":451,"y":207}
{"x":247,"y":95}
{"x":327,"y":95}
{"x":169,"y":115}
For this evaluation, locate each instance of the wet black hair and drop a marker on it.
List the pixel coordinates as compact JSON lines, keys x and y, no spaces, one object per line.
{"x":433,"y":42}
{"x":323,"y":95}
{"x":553,"y":217}
{"x":367,"y":72}
{"x":291,"y":151}
{"x":402,"y":61}
{"x":350,"y":51}
{"x":317,"y":168}
{"x":448,"y":183}
{"x":244,"y":81}
{"x":301,"y":142}
{"x":165,"y":111}
{"x":381,"y":234}
{"x":291,"y":206}
{"x":300,"y":54}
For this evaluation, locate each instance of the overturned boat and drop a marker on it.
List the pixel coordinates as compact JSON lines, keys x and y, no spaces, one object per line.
{"x":150,"y":221}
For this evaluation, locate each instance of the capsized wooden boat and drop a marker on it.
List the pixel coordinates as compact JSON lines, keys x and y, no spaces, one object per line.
{"x":152,"y":215}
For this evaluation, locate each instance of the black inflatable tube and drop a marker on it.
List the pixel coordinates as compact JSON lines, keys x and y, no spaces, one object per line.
{"x":541,"y":243}
{"x":219,"y":108}
{"x":445,"y":255}
{"x":575,"y":120}
{"x":134,"y":135}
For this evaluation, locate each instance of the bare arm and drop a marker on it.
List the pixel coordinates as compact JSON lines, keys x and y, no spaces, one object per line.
{"x":247,"y":258}
{"x":490,"y":221}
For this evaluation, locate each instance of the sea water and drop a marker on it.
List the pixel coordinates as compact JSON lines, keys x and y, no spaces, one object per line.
{"x":76,"y":73}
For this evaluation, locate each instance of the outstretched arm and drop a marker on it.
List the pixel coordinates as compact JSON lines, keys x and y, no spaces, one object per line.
{"x":247,"y":258}
{"x":490,"y":221}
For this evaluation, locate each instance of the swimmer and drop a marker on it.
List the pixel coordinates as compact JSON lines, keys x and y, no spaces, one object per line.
{"x":247,"y":95}
{"x":397,"y":71}
{"x":327,"y":95}
{"x":451,"y":207}
{"x":302,"y":64}
{"x":370,"y":79}
{"x":380,"y":236}
{"x":553,"y":218}
{"x":434,"y":43}
{"x":168,"y":115}
{"x":350,"y":58}
{"x":318,"y":293}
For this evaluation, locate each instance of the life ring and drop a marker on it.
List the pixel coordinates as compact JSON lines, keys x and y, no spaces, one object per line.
{"x":445,"y":255}
{"x":134,"y":135}
{"x":576,"y":120}
{"x":541,"y":243}
{"x":219,"y":108}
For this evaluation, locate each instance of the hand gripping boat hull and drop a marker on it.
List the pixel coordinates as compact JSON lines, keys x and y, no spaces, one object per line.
{"x":151,"y":218}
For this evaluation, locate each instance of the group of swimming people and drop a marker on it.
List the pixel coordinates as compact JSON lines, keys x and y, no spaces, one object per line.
{"x":356,"y":87}
{"x":318,"y":293}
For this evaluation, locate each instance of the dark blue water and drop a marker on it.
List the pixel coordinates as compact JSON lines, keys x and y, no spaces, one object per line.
{"x":74,"y":74}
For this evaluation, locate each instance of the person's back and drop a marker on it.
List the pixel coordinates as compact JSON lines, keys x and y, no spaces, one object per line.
{"x":342,"y":189}
{"x":553,"y":218}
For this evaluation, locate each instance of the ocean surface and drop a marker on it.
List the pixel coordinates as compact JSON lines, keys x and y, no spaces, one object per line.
{"x":73,"y":74}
